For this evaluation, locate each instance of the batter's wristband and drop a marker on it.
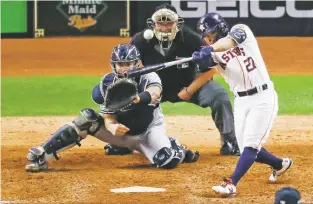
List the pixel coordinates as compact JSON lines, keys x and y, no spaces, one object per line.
{"x":145,"y":97}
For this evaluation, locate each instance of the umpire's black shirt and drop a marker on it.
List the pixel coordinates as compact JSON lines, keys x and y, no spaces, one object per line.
{"x":173,"y":78}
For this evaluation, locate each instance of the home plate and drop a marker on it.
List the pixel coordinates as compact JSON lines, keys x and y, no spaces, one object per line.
{"x":137,"y":189}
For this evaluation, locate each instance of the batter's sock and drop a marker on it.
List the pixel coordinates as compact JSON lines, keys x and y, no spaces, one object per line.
{"x":267,"y":158}
{"x":246,"y":160}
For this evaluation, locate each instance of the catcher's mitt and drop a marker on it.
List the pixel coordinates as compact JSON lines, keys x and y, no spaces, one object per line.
{"x":120,"y":94}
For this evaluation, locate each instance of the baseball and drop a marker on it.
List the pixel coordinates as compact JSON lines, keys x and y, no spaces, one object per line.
{"x":148,"y":34}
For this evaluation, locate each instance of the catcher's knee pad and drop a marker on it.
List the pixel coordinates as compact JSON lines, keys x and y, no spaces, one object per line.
{"x":89,"y":122}
{"x":167,"y":158}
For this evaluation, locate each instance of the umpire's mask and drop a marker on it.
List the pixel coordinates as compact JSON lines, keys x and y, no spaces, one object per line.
{"x":165,"y":24}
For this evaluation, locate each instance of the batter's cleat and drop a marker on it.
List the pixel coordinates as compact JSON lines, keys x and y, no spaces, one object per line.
{"x":191,"y":156}
{"x":36,"y":160}
{"x":287,"y":163}
{"x":230,"y":149}
{"x":227,"y":188}
{"x":116,"y":150}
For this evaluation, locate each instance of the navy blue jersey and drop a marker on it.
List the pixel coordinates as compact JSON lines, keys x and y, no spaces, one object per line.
{"x":137,"y":117}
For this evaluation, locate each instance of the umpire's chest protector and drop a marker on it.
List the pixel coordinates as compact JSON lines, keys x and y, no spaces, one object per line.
{"x":177,"y":76}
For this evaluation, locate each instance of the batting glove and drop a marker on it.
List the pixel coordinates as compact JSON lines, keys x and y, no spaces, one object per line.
{"x":196,"y":57}
{"x":206,"y":52}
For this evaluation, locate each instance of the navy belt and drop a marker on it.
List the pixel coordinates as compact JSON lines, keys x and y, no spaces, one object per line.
{"x":251,"y":92}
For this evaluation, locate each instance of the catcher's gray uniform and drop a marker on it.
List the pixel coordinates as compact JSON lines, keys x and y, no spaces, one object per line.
{"x":149,"y":142}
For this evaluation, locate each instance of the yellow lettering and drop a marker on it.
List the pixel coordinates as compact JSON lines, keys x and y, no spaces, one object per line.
{"x":78,"y":22}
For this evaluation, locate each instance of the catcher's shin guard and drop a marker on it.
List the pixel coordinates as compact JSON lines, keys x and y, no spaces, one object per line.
{"x":62,"y":139}
{"x":89,"y":122}
{"x":66,"y":137}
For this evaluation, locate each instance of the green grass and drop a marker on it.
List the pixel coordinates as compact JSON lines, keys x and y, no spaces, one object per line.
{"x":66,"y":95}
{"x":46,"y":95}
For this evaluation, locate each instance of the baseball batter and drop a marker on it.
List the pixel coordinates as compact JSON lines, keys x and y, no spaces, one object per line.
{"x":236,"y":55}
{"x":139,"y":127}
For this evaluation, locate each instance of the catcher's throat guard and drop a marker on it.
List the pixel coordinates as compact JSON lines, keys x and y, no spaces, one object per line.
{"x":120,"y":94}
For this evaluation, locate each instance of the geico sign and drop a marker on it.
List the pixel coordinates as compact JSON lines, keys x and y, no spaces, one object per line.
{"x":197,"y":8}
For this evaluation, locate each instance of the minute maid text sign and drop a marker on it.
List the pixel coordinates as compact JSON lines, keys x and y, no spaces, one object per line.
{"x":82,"y":14}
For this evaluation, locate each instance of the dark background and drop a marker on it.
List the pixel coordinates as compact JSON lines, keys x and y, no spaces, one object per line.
{"x":284,"y":26}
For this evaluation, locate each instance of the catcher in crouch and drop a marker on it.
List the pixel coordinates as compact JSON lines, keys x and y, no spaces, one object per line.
{"x":137,"y":126}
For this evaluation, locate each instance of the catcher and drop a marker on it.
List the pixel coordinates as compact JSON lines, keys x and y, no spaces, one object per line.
{"x":130,"y":117}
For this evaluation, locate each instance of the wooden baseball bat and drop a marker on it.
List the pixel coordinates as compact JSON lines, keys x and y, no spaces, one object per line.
{"x":154,"y":68}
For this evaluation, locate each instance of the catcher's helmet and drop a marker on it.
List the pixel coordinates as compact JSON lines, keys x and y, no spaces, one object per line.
{"x":124,"y":53}
{"x":212,"y":22}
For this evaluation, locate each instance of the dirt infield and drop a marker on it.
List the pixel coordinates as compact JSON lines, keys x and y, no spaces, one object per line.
{"x":85,"y":174}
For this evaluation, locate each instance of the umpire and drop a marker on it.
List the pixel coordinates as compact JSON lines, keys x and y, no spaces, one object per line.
{"x":168,"y":41}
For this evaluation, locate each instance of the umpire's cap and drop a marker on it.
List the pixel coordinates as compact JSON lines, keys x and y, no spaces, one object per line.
{"x":166,"y":6}
{"x":287,"y":195}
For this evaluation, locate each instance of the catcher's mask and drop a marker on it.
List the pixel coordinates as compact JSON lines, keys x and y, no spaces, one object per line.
{"x":212,"y":27}
{"x":165,"y":24}
{"x":124,"y":57}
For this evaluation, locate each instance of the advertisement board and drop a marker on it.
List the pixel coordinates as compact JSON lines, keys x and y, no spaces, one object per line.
{"x":266,"y":18}
{"x":81,"y":18}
